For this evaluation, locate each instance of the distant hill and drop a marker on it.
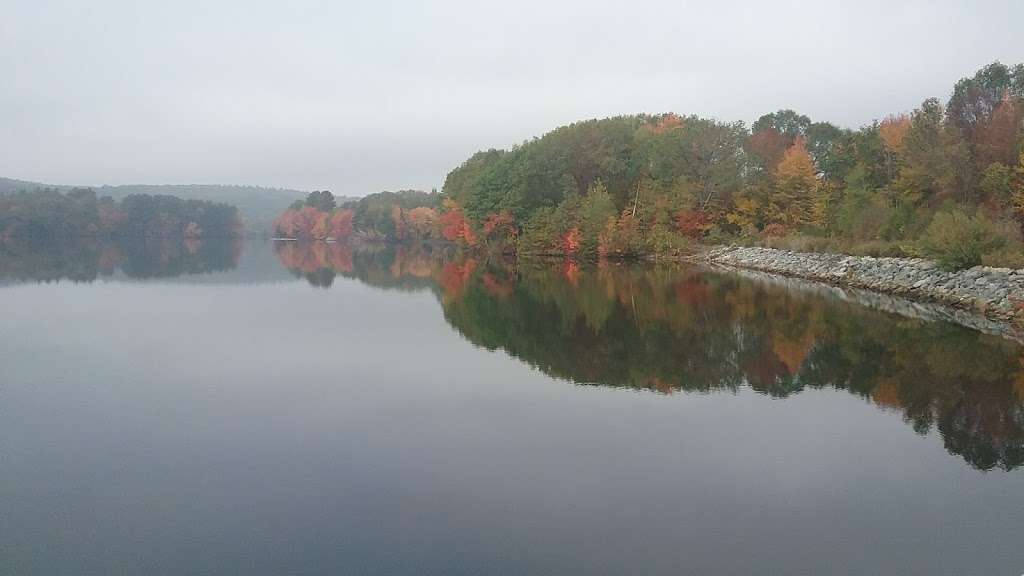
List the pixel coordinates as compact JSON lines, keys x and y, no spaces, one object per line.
{"x":8,"y":185}
{"x":259,"y":206}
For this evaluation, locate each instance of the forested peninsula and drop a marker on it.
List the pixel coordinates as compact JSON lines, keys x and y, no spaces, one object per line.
{"x":944,"y":181}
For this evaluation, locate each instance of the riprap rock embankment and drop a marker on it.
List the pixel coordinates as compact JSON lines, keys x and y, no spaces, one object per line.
{"x":996,"y":293}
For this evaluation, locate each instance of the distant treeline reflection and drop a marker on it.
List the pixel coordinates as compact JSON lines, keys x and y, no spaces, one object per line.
{"x":51,"y":259}
{"x":380,"y":264}
{"x":672,"y":329}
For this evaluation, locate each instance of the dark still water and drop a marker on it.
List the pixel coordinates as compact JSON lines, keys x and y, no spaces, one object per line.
{"x":258,"y":409}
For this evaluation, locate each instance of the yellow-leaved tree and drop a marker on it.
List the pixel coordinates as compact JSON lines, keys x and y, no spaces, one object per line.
{"x":745,"y":212}
{"x":893,"y":133}
{"x":796,"y":188}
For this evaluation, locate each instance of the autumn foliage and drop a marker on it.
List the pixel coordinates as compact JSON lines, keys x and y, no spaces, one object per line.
{"x":666,"y":123}
{"x":455,"y":227}
{"x":455,"y":277}
{"x":421,"y":222}
{"x":796,"y":185}
{"x":893,"y":132}
{"x":571,"y":241}
{"x":309,"y":223}
{"x":997,"y":139}
{"x":769,"y":146}
{"x":643,"y":185}
{"x":500,"y":229}
{"x":694,"y":223}
{"x":312,"y":257}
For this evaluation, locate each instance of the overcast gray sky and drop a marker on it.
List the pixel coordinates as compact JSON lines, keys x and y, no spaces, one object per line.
{"x":358,"y":97}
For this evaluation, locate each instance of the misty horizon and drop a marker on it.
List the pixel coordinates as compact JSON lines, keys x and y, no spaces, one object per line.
{"x":393,"y":96}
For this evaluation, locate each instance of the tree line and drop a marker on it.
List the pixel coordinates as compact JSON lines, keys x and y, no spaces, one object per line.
{"x":941,"y":180}
{"x":945,"y":181}
{"x":80,"y":213}
{"x":391,"y":216}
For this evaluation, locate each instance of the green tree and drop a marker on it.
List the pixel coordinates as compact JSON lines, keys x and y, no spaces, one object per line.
{"x":934,"y":157}
{"x":996,"y":184}
{"x":829,"y":146}
{"x":322,"y":200}
{"x":786,"y":122}
{"x":596,"y":210}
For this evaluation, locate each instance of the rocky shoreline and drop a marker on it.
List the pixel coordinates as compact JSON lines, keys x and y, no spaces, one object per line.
{"x":994,"y":293}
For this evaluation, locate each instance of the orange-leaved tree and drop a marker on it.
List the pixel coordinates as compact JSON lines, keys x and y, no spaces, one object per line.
{"x":500,"y":229}
{"x":996,"y":139}
{"x":454,"y":225}
{"x":340,"y":224}
{"x":421,"y":221}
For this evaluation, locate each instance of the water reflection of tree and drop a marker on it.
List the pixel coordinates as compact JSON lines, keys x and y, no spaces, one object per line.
{"x":396,"y":266}
{"x":86,"y":259}
{"x":668,"y":330}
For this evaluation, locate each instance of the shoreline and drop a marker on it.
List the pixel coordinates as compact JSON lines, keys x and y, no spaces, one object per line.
{"x":996,"y":294}
{"x":983,"y":298}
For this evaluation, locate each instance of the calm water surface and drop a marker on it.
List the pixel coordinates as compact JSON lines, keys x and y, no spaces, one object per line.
{"x":257,"y":409}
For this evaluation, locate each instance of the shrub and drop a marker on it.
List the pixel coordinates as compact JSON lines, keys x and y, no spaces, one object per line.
{"x":542,"y":233}
{"x":693,"y":223}
{"x":904,"y":221}
{"x":1011,"y":254}
{"x":622,"y":237}
{"x":957,"y":240}
{"x":715,"y":235}
{"x":799,"y":243}
{"x":996,"y":184}
{"x":861,"y":215}
{"x":664,"y":241}
{"x":774,"y":230}
{"x":876,"y":248}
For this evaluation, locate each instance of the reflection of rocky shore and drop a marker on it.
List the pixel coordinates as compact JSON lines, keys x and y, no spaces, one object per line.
{"x":929,"y":311}
{"x":88,"y":259}
{"x":997,"y":293}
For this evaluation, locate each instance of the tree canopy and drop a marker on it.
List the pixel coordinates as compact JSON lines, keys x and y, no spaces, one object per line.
{"x":663,"y":178}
